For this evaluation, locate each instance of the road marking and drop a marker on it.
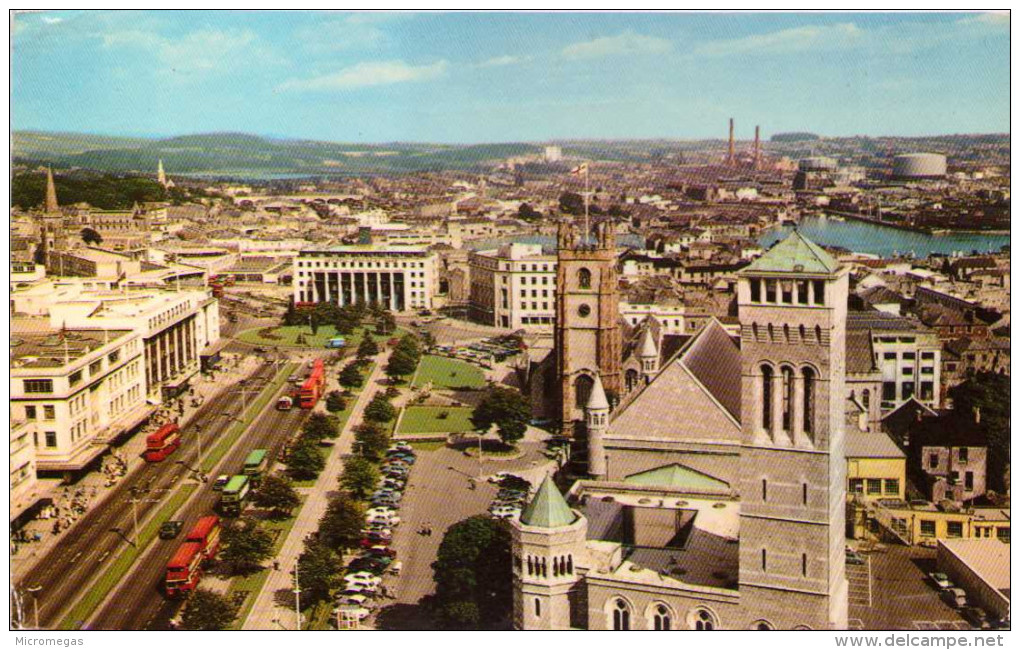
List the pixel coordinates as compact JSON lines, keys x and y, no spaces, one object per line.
{"x":103,"y":556}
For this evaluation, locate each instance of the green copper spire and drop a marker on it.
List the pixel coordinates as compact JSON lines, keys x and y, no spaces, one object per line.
{"x":548,"y":509}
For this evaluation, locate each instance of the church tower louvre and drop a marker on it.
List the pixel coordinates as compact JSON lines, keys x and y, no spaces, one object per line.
{"x":792,"y":307}
{"x":587,"y":333}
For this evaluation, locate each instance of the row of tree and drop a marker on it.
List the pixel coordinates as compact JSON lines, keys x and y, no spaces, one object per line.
{"x":305,"y":460}
{"x":404,"y":359}
{"x":345,"y":319}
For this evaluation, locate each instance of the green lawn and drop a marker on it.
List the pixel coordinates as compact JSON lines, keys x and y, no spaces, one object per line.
{"x":448,"y":373}
{"x":425,"y":419}
{"x":288,"y":336}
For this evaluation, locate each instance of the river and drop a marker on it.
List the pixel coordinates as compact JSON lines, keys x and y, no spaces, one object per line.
{"x":862,"y":237}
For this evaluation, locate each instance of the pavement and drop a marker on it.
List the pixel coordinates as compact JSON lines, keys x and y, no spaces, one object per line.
{"x":274,"y":605}
{"x":93,"y":489}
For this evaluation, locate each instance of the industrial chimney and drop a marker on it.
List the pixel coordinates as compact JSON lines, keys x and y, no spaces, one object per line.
{"x":730,"y":156}
{"x":757,"y":146}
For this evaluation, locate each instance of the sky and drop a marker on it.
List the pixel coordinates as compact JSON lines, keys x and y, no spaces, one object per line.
{"x":507,"y":77}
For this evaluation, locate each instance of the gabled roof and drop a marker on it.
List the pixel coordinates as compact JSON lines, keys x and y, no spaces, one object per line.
{"x":679,"y":477}
{"x":714,"y":359}
{"x":548,"y":509}
{"x":862,"y":444}
{"x":795,"y":254}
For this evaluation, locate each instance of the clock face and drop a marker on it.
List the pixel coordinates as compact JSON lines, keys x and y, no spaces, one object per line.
{"x":584,"y":310}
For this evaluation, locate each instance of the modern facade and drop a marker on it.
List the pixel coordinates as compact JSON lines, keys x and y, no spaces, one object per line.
{"x":513,"y":287}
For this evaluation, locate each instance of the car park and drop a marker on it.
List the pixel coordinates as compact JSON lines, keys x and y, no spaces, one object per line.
{"x":504,"y":512}
{"x":355,"y":600}
{"x":381,"y":551}
{"x":400,"y":445}
{"x":360,"y":613}
{"x":170,"y":529}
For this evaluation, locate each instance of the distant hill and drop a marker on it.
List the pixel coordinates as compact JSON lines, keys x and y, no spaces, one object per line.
{"x":243,"y":154}
{"x":795,"y":137}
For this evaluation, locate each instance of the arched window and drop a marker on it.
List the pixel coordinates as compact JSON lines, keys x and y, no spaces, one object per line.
{"x":556,"y":567}
{"x":764,"y":561}
{"x":866,"y":398}
{"x":582,"y":390}
{"x":766,"y":398}
{"x":809,"y":400}
{"x":702,"y":619}
{"x":621,"y":615}
{"x":584,"y":278}
{"x":803,"y":564}
{"x":661,"y":619}
{"x":788,"y":402}
{"x":631,"y":378}
{"x":762,"y":625}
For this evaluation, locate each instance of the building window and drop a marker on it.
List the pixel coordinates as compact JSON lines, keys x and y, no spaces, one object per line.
{"x":809,"y":399}
{"x":802,"y":292}
{"x":866,"y":398}
{"x":766,"y":398}
{"x":95,"y":368}
{"x":803,"y":564}
{"x":662,"y":620}
{"x":819,"y":291}
{"x":788,"y":402}
{"x":621,"y":615}
{"x":764,"y":561}
{"x":786,"y":289}
{"x":49,"y":412}
{"x":888,"y":391}
{"x":538,"y":607}
{"x":755,"y":290}
{"x":968,"y":480}
{"x":803,"y":493}
{"x":908,"y":389}
{"x":764,"y":489}
{"x":857,"y":486}
{"x":38,"y":385}
{"x":1002,"y":534}
{"x":874,"y":486}
{"x":954,"y":529}
{"x":892,"y":486}
{"x":30,"y":413}
{"x":74,"y":378}
{"x":770,"y":290}
{"x":703,"y":620}
{"x":51,"y":438}
{"x":963,"y":454}
{"x":927,"y":528}
{"x":584,"y":278}
{"x":933,"y":461}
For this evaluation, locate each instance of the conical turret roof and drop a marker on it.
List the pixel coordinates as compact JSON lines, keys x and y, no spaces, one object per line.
{"x":597,"y":399}
{"x":795,"y":254}
{"x":648,"y":348}
{"x":548,"y":509}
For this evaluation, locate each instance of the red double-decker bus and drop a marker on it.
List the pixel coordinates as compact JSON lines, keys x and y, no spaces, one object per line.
{"x":184,"y":570}
{"x":206,"y":533}
{"x":164,"y":442}
{"x":312,"y":389}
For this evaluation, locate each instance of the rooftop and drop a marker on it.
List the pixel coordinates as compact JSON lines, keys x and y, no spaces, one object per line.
{"x":861,"y":444}
{"x":43,"y":347}
{"x":988,"y":558}
{"x":548,"y":509}
{"x":795,"y":254}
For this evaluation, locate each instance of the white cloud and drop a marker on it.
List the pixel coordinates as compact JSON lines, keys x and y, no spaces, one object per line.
{"x":796,"y":39}
{"x":629,"y":42}
{"x":200,"y":51}
{"x":369,"y":73}
{"x":52,"y":20}
{"x":506,"y":59}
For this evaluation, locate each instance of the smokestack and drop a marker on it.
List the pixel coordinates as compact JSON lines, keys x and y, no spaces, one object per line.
{"x":757,"y":146}
{"x":729,"y":156}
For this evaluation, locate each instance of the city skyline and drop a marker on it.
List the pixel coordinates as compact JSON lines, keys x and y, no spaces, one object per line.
{"x":479,"y":77}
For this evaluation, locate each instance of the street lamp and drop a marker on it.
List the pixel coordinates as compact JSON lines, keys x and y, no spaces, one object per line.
{"x":35,"y":602}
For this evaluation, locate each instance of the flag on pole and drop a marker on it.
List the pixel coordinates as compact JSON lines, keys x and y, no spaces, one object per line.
{"x":580,"y":169}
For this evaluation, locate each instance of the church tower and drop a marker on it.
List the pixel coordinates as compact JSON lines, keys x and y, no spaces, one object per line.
{"x":51,"y":222}
{"x":587,"y":334}
{"x":548,"y":546}
{"x":596,"y":416}
{"x":160,"y":174}
{"x":51,"y":206}
{"x":792,"y":307}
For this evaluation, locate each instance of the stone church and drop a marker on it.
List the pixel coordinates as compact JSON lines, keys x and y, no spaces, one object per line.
{"x":716,"y":489}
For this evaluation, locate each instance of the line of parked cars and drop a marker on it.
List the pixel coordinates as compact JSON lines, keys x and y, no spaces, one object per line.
{"x":512,"y":496}
{"x":363,"y":579}
{"x":956,"y":598}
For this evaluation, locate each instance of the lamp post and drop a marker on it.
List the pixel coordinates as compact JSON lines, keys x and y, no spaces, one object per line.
{"x":35,"y":602}
{"x":297,"y":594}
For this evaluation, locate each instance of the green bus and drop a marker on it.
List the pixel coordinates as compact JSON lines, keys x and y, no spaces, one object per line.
{"x":235,"y":495}
{"x":255,"y":464}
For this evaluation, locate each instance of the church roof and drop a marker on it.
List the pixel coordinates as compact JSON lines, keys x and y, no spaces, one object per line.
{"x":548,"y":509}
{"x":795,"y":254}
{"x":598,"y":399}
{"x":714,"y":359}
{"x":678,"y":477}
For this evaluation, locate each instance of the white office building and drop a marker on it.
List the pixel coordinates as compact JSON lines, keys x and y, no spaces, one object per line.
{"x":514,"y":287}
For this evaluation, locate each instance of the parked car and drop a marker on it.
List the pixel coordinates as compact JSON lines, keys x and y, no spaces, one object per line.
{"x":220,"y":482}
{"x":976,"y":617}
{"x":372,"y":512}
{"x":401,"y":445}
{"x":396,"y":568}
{"x":170,"y":529}
{"x":380,"y":550}
{"x":954,"y":597}
{"x":362,"y":579}
{"x":853,"y":557}
{"x":505,"y":512}
{"x":356,"y":600}
{"x":941,"y":580}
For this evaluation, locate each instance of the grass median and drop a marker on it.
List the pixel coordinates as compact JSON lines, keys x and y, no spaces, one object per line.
{"x":116,"y":571}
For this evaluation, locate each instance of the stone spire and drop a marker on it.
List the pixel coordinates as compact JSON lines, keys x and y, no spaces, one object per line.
{"x":596,"y":416}
{"x":51,"y":193}
{"x":160,"y":174}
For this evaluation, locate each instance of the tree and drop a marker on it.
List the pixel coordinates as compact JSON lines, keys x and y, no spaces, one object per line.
{"x":277,"y":493}
{"x":319,"y":426}
{"x":372,"y":439}
{"x":505,"y":407}
{"x":335,"y":401}
{"x":319,"y":568}
{"x":246,"y":545}
{"x":401,"y":364}
{"x":360,"y":476}
{"x":208,"y":610}
{"x":571,"y":203}
{"x":304,"y":461}
{"x":473,"y":566}
{"x":341,"y":526}
{"x":90,"y":236}
{"x":345,"y":324}
{"x":313,"y":323}
{"x":458,"y":615}
{"x":350,"y":376}
{"x":368,"y":347}
{"x":386,"y":323}
{"x":527,"y":213}
{"x":985,"y":396}
{"x":380,"y":409}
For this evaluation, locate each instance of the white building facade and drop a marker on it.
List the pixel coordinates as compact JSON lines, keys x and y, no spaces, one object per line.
{"x":514,"y":287}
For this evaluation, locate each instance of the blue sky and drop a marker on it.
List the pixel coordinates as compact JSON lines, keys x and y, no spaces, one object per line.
{"x":485,"y":77}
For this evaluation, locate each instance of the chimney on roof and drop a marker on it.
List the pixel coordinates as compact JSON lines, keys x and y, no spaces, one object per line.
{"x":757,"y":146}
{"x":729,"y":156}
